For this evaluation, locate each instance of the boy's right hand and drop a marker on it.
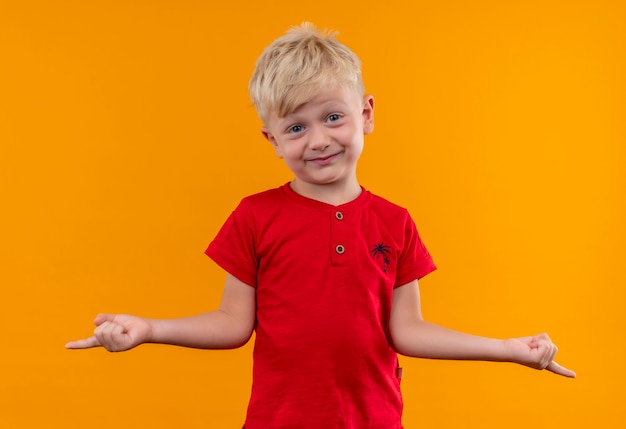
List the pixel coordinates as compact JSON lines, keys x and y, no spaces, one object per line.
{"x":116,"y":333}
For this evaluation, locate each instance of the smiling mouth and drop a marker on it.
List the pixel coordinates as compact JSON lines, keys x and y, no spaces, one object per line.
{"x":322,"y":159}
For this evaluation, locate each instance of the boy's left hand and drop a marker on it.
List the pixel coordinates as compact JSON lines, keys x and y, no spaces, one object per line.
{"x":536,"y":352}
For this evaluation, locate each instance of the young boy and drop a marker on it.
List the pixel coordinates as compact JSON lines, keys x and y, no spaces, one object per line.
{"x":323,"y":271}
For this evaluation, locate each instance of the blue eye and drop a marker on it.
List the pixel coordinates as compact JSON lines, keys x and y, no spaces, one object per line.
{"x":333,"y":117}
{"x":296,"y":129}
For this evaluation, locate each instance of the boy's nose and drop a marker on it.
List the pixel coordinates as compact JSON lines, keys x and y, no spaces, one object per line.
{"x":319,"y":138}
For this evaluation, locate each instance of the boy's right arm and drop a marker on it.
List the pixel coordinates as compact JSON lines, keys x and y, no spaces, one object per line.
{"x":228,"y":327}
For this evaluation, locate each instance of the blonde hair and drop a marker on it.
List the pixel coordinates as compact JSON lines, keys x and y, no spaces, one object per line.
{"x":292,"y":69}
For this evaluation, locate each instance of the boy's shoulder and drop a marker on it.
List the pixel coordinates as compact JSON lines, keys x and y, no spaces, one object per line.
{"x":385,"y":203}
{"x":268,"y":196}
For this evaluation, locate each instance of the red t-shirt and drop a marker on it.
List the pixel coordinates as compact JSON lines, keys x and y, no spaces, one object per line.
{"x":324,"y":278}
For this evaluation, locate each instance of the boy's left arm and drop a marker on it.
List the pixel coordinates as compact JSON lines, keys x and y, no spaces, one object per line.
{"x":413,"y":336}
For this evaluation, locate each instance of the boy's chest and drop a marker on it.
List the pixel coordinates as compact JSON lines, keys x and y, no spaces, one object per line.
{"x":310,"y":243}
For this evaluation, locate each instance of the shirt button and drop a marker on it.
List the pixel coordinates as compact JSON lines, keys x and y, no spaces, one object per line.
{"x":340,"y":249}
{"x":339,"y":215}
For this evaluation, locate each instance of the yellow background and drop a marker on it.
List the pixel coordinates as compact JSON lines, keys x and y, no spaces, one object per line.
{"x":127,"y":137}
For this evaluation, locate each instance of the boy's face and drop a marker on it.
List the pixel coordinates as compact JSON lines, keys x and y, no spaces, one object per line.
{"x":322,"y":140}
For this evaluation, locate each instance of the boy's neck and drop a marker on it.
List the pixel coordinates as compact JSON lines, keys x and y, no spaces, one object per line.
{"x":334,"y":194}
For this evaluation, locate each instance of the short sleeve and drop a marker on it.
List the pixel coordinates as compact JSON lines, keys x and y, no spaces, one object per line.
{"x":414,"y":261}
{"x":233,"y":246}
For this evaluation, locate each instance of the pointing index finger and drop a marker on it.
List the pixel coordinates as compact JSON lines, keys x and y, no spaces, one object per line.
{"x":83,"y":344}
{"x":560,"y":370}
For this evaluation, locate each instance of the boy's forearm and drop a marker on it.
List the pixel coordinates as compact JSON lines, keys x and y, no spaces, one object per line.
{"x":426,"y":340}
{"x":213,"y":330}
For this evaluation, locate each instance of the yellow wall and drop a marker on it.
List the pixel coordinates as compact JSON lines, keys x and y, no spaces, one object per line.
{"x":127,"y":137}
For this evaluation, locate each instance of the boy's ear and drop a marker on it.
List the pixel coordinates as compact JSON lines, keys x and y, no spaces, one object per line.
{"x":368,"y":114}
{"x":270,"y":138}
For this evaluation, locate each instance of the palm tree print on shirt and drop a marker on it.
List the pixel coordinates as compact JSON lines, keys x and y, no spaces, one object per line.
{"x":380,"y":250}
